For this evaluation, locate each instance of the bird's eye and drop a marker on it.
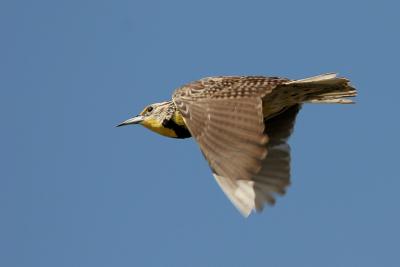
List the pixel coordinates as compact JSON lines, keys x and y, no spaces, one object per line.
{"x":149,"y":109}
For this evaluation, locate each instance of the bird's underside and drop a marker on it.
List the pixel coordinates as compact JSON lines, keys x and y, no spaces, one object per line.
{"x":242,"y":125}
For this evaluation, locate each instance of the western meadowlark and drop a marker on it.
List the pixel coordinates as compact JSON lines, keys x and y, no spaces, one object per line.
{"x":242,"y":124}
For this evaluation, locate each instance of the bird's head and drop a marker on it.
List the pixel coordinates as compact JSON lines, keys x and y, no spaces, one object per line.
{"x":162,"y":118}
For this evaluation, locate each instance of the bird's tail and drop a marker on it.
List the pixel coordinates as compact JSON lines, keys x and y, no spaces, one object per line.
{"x":325,"y":88}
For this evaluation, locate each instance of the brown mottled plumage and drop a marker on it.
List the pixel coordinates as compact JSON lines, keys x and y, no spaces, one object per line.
{"x":242,"y":124}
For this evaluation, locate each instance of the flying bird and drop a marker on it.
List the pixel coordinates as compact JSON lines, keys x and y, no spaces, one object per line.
{"x":242,"y":125}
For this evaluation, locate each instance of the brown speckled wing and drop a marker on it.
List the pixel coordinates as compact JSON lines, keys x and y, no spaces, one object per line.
{"x":225,"y":116}
{"x":230,"y":135}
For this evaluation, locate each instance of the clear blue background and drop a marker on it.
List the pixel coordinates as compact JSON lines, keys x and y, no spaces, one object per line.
{"x":75,"y":191}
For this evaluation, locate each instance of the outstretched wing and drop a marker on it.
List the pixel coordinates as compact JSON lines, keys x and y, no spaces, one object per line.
{"x":274,"y":176}
{"x":225,"y":116}
{"x":229,"y":132}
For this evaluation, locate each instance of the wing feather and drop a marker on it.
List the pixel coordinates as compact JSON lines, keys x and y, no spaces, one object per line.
{"x":227,"y":121}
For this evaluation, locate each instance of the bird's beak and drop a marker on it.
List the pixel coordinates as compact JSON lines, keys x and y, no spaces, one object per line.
{"x":134,"y":120}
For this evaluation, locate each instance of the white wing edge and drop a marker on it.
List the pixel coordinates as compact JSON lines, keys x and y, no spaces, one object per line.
{"x":241,"y":193}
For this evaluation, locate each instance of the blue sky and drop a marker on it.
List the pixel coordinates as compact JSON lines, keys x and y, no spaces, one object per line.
{"x":75,"y":191}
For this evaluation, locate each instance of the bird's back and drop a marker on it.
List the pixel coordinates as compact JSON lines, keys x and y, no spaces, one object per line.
{"x":277,"y":93}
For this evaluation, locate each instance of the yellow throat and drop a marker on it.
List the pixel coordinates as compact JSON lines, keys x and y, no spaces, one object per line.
{"x":174,"y":127}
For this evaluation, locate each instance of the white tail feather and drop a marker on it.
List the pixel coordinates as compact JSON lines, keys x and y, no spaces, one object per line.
{"x":325,"y":88}
{"x":318,"y":78}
